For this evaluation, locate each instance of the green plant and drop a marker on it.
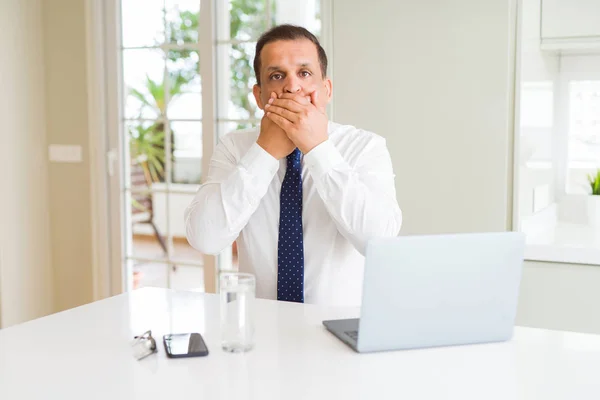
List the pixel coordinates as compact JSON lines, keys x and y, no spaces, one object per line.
{"x":147,"y":150}
{"x":595,"y":183}
{"x":147,"y":142}
{"x":154,"y":99}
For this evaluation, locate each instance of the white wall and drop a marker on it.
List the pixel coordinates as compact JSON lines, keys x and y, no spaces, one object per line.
{"x":435,"y":79}
{"x":560,"y":296}
{"x":26,"y":281}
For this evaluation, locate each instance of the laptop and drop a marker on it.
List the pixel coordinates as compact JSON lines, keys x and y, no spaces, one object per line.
{"x":436,"y":290}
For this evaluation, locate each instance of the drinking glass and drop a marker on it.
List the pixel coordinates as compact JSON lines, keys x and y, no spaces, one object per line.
{"x":237,"y":291}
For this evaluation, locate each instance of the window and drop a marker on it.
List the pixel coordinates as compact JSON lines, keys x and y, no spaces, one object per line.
{"x":584,"y":134}
{"x":559,"y":146}
{"x":536,"y":124}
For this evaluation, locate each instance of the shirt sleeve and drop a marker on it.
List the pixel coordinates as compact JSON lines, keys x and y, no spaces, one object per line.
{"x":361,"y":199}
{"x":231,"y":194}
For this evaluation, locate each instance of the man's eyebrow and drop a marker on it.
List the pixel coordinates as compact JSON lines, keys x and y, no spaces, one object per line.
{"x":278,"y":68}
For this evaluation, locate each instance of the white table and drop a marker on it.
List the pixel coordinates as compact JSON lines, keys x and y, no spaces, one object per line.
{"x":84,"y":353}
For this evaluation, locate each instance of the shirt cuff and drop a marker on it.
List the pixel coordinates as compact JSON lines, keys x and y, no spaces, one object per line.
{"x":323,"y":159}
{"x":259,"y":163}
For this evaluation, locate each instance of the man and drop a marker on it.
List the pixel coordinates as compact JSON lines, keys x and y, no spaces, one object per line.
{"x":303,"y":195}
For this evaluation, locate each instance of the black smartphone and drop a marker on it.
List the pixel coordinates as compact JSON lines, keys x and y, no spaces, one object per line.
{"x":179,"y":345}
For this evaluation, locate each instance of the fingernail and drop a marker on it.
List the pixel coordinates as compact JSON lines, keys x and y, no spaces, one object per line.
{"x":270,"y":100}
{"x":267,"y":105}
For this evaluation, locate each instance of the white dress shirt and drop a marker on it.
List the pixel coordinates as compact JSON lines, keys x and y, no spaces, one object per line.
{"x":348,"y":197}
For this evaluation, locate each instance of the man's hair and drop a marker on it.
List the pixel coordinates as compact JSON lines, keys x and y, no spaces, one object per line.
{"x":287,"y":32}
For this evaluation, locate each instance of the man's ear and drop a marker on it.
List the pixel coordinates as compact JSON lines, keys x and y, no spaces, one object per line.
{"x":329,"y":88}
{"x":256,"y":92}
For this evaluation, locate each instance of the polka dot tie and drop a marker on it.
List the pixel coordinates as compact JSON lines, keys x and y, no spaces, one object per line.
{"x":290,"y":249}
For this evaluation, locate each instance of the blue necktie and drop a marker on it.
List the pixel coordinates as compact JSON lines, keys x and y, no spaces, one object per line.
{"x":290,"y":249}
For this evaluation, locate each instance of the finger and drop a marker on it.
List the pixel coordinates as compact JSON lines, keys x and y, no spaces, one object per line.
{"x":280,"y":121}
{"x":305,"y":100}
{"x":315,"y":99}
{"x":285,"y":113}
{"x":291,"y":105}
{"x":273,"y":95}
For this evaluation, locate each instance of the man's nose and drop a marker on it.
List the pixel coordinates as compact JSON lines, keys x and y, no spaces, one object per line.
{"x":292,"y":85}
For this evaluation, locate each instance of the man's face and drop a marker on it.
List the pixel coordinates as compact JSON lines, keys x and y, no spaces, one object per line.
{"x":291,"y":66}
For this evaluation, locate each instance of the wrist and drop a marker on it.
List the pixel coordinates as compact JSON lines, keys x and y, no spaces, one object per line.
{"x":273,"y":151}
{"x":305,"y":149}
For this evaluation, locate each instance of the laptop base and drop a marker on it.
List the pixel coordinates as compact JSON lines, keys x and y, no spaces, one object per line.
{"x":345,"y":329}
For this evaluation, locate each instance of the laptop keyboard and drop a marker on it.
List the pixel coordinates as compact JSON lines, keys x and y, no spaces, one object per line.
{"x":352,"y":334}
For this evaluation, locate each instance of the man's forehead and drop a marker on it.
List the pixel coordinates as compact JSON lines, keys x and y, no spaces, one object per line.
{"x":283,"y":49}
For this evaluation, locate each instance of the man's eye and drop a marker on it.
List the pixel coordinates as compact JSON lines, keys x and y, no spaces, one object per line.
{"x":305,"y":74}
{"x":276,"y":77}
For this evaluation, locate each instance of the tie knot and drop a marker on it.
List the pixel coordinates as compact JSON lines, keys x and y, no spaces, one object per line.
{"x":293,"y":159}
